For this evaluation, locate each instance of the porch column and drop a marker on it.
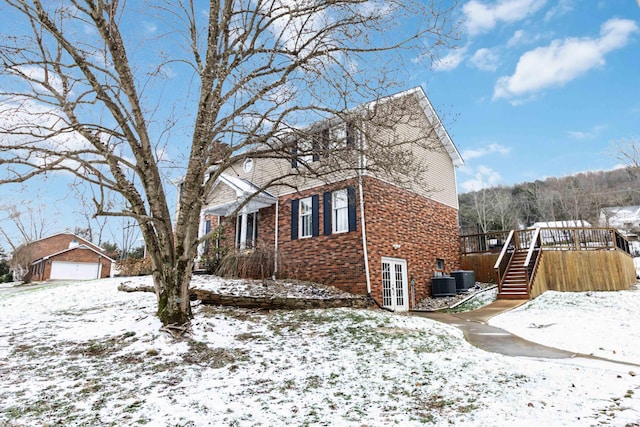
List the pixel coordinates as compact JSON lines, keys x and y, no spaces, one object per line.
{"x":243,"y":232}
{"x":200,"y":234}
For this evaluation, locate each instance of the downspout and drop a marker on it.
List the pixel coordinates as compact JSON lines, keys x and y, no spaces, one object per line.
{"x":275,"y":245}
{"x":364,"y":235}
{"x":361,"y":165}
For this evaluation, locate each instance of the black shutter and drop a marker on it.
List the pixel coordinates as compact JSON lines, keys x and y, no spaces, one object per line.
{"x":351,"y":134}
{"x":351,"y":197}
{"x":294,"y":158}
{"x":294,"y":219}
{"x":325,"y":142}
{"x":326,"y":207}
{"x":315,"y":215}
{"x":316,"y":146}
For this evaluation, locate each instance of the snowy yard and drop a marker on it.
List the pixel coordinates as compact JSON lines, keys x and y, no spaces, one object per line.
{"x":87,"y":354}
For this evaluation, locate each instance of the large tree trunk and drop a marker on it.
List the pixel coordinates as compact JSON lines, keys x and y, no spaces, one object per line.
{"x":172,"y":290}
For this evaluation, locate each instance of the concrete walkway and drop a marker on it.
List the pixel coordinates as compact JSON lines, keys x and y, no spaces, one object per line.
{"x":496,"y":340}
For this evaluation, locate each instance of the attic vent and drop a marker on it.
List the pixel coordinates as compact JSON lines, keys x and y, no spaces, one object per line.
{"x":73,"y":243}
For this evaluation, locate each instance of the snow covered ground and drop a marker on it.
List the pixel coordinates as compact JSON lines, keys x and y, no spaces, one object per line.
{"x":87,"y":354}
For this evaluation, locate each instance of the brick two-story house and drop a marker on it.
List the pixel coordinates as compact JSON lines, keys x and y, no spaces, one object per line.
{"x":359,"y":229}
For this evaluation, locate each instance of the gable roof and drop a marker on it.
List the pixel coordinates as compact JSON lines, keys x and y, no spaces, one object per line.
{"x":433,"y":118}
{"x":81,"y":246}
{"x":84,"y":241}
{"x":243,"y":190}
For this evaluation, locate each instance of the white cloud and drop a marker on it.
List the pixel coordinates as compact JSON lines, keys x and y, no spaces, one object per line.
{"x":485,"y":59}
{"x":150,"y":27}
{"x":562,"y":8}
{"x":41,"y":78}
{"x":481,"y":17}
{"x":483,"y":177}
{"x":521,"y":37}
{"x":518,"y":37}
{"x":483,"y":151}
{"x":563,"y":60}
{"x":450,"y":61}
{"x":576,"y":134}
{"x":588,"y":134}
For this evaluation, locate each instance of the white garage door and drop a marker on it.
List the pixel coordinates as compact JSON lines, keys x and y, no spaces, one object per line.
{"x":61,"y":270}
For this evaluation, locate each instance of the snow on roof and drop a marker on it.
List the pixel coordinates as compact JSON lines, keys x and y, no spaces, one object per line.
{"x":562,"y":224}
{"x":622,"y":211}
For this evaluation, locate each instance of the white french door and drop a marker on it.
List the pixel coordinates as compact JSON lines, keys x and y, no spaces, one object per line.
{"x":394,"y":284}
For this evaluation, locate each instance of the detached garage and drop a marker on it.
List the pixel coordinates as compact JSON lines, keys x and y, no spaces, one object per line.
{"x":78,"y":262}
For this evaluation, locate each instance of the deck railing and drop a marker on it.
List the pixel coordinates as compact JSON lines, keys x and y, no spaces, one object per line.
{"x":533,"y":256}
{"x":492,"y":241}
{"x":505,"y":256}
{"x":571,"y":238}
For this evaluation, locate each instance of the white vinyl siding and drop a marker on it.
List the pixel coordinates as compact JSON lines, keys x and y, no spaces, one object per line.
{"x":305,"y":221}
{"x":340,"y":204}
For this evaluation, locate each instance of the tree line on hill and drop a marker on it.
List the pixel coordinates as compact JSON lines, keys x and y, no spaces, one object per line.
{"x":576,"y":197}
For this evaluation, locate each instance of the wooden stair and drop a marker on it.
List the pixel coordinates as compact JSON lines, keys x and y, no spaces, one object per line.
{"x":514,"y":284}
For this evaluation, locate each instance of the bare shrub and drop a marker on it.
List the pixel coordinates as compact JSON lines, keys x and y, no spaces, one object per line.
{"x":257,"y":263}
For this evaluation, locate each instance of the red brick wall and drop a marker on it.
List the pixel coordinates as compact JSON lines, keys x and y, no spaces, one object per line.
{"x":53,"y":244}
{"x":75,"y":255}
{"x":335,"y":259}
{"x":424,"y":229}
{"x":58,"y":243}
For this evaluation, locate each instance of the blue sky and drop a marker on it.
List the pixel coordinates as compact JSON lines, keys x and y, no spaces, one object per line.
{"x":539,"y":88}
{"x":536,"y":88}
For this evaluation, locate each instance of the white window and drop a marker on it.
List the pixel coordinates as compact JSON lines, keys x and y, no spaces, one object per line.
{"x":340,"y":204}
{"x":306,"y":209}
{"x":341,"y":135}
{"x":305,"y":151}
{"x":246,"y":230}
{"x":338,"y":136}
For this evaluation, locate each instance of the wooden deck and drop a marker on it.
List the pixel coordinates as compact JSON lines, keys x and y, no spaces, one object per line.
{"x":561,"y":259}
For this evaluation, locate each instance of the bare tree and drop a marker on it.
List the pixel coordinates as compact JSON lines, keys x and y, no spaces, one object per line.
{"x":94,"y":225}
{"x":88,"y":95}
{"x":505,"y":214}
{"x":30,"y":223}
{"x":628,"y":151}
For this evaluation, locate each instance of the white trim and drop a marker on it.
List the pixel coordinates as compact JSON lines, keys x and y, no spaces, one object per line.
{"x":67,"y":233}
{"x":394,"y":290}
{"x":81,"y":246}
{"x":309,"y":215}
{"x":342,"y":210}
{"x":201,"y":233}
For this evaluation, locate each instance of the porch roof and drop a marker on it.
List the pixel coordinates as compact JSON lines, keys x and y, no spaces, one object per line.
{"x":244,"y":190}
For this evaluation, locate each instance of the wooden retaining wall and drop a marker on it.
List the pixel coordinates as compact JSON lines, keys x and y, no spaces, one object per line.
{"x":579,"y":271}
{"x":482,"y":265}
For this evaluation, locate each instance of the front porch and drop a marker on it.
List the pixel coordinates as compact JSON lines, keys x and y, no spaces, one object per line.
{"x":526,"y":263}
